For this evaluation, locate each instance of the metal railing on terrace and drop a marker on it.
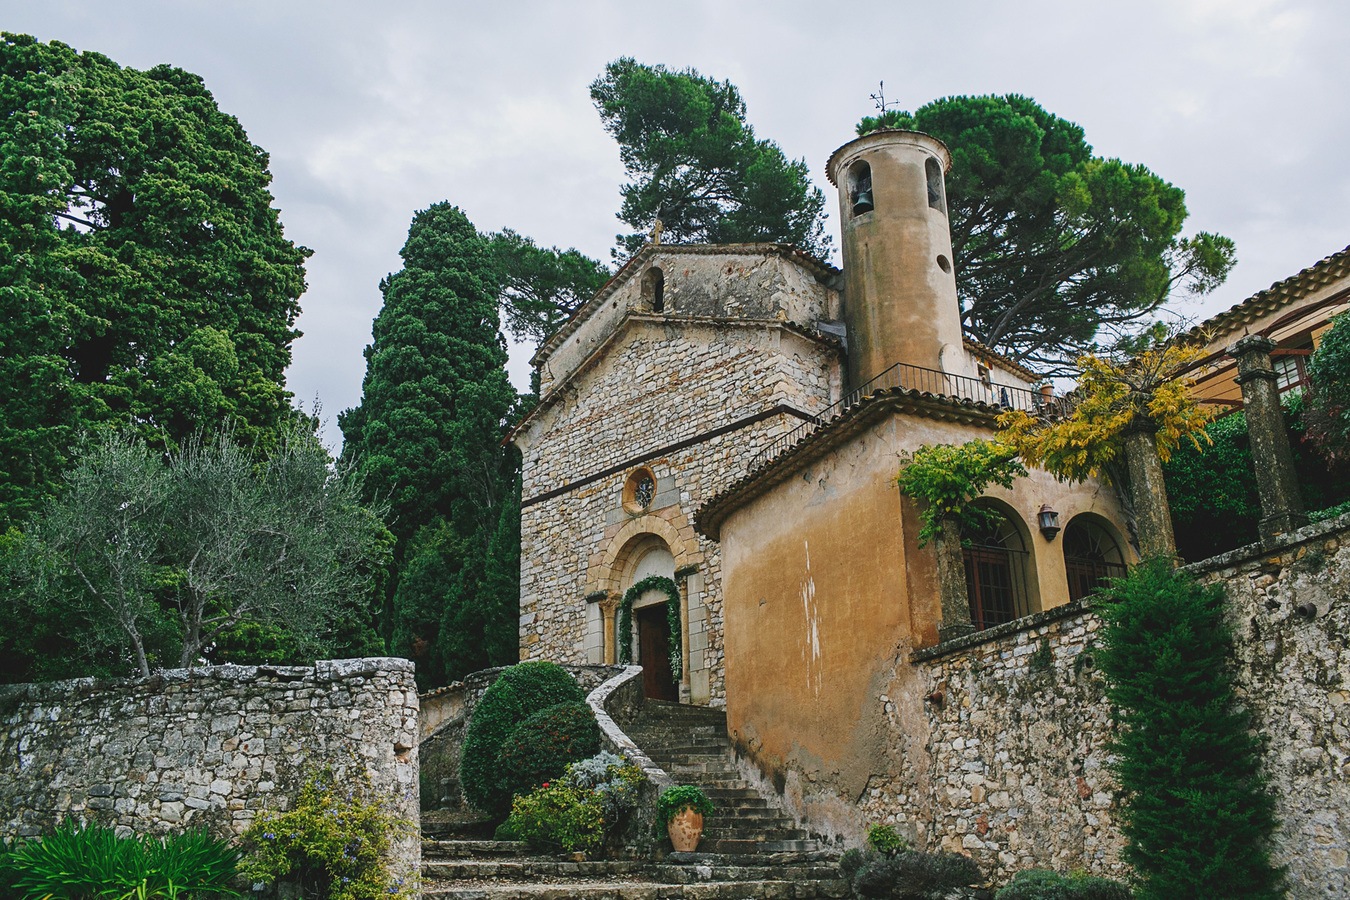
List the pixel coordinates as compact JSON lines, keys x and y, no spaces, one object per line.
{"x":912,"y":378}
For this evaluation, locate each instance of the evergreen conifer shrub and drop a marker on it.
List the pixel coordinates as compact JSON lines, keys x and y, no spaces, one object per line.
{"x":1196,"y":814}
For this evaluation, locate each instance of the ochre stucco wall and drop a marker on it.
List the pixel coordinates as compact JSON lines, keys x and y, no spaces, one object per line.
{"x":825,"y":593}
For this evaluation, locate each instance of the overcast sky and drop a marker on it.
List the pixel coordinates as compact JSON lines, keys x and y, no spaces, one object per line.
{"x":371,"y":111}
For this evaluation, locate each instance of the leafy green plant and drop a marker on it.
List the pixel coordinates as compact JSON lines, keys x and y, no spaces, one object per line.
{"x":947,"y":478}
{"x":1196,"y":814}
{"x":93,"y":863}
{"x":543,"y":745}
{"x":672,"y":592}
{"x":883,"y":839}
{"x":518,"y":692}
{"x":588,"y":806}
{"x":1043,"y":884}
{"x":674,"y":800}
{"x":332,"y":844}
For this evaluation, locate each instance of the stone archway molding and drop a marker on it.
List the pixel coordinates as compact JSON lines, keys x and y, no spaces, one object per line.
{"x":606,"y":572}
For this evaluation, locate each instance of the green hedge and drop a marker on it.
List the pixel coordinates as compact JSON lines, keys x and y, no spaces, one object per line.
{"x":519,"y":692}
{"x":1212,"y":491}
{"x":1042,"y":884}
{"x":542,"y":746}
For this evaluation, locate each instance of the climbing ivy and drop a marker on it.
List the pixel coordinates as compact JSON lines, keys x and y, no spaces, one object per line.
{"x":672,"y":592}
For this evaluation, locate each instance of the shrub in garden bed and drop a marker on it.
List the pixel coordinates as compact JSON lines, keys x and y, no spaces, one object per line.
{"x":1042,"y":884}
{"x":332,"y":844}
{"x":545,"y":743}
{"x":582,"y":811}
{"x":890,"y":868}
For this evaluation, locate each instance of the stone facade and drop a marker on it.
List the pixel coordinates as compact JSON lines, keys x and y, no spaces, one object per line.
{"x":996,"y":744}
{"x":690,"y":393}
{"x":206,"y":747}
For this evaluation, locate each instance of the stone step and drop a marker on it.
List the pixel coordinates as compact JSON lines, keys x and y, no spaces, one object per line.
{"x":465,"y":849}
{"x":632,"y":890}
{"x":539,"y":868}
{"x":743,"y":846}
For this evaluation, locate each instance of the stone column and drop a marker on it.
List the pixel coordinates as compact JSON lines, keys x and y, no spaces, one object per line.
{"x":1153,"y":519}
{"x":682,"y":582}
{"x":1276,"y":483}
{"x":951,"y":568}
{"x":608,"y":607}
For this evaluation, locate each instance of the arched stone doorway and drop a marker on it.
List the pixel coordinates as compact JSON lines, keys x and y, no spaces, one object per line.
{"x":1092,"y":554}
{"x":1000,"y":573}
{"x":651,"y":621}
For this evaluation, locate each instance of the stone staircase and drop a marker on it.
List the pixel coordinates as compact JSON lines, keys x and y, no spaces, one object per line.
{"x":690,"y":743}
{"x":749,"y":851}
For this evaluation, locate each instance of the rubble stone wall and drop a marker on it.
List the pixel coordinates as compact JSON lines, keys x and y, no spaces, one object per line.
{"x":209,"y":747}
{"x":1015,"y":770}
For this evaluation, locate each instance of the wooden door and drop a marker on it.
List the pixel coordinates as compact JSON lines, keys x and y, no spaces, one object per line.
{"x":654,"y":653}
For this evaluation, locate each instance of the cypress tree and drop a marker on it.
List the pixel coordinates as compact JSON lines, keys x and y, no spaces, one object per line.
{"x":1196,"y":814}
{"x":427,"y":437}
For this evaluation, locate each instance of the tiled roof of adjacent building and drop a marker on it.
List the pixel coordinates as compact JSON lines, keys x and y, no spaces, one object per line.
{"x":1327,"y":271}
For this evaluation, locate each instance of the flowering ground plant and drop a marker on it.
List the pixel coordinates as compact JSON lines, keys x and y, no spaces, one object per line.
{"x":332,"y":844}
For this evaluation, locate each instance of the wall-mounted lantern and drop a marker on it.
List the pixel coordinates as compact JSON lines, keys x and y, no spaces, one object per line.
{"x":1048,"y":520}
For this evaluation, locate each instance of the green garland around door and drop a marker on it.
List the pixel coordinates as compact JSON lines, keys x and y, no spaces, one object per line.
{"x":652,"y":583}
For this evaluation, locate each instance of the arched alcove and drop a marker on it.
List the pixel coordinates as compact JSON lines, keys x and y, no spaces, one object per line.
{"x":936,"y":195}
{"x":860,"y":188}
{"x":654,"y":289}
{"x":1093,"y":553}
{"x":1000,"y":570}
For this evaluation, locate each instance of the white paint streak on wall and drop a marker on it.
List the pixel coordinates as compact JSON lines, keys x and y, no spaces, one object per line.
{"x":811,"y":642}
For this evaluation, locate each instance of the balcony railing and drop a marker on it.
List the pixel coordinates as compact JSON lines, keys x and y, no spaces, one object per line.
{"x":911,"y":378}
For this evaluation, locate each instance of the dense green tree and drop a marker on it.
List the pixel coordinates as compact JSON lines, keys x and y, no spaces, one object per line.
{"x":144,"y":277}
{"x":541,"y":286}
{"x":1053,"y":244}
{"x":427,"y":436}
{"x":146,"y":562}
{"x":1195,"y":811}
{"x":1329,"y":405}
{"x":1212,"y":488}
{"x":696,"y":164}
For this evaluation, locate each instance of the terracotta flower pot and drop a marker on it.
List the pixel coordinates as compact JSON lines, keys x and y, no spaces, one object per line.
{"x":685,"y":828}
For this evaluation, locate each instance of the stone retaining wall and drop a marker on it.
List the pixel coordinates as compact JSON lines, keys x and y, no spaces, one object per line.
{"x":1015,"y":769}
{"x":206,"y":747}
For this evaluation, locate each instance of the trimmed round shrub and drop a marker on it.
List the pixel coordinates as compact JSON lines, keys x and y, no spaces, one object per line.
{"x":517,"y":693}
{"x":542,"y":746}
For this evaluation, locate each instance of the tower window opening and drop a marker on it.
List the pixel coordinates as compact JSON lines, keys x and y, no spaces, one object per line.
{"x":935,"y":196}
{"x":654,"y":289}
{"x":860,"y":188}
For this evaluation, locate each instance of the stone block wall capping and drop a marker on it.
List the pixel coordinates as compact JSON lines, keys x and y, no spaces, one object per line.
{"x":1274,"y":548}
{"x":1273,"y":460}
{"x":999,"y":632}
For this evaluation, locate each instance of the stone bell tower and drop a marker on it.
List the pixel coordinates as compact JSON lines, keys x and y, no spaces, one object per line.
{"x":899,"y":300}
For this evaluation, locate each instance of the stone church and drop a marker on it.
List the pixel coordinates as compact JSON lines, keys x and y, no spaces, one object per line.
{"x":732,"y":418}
